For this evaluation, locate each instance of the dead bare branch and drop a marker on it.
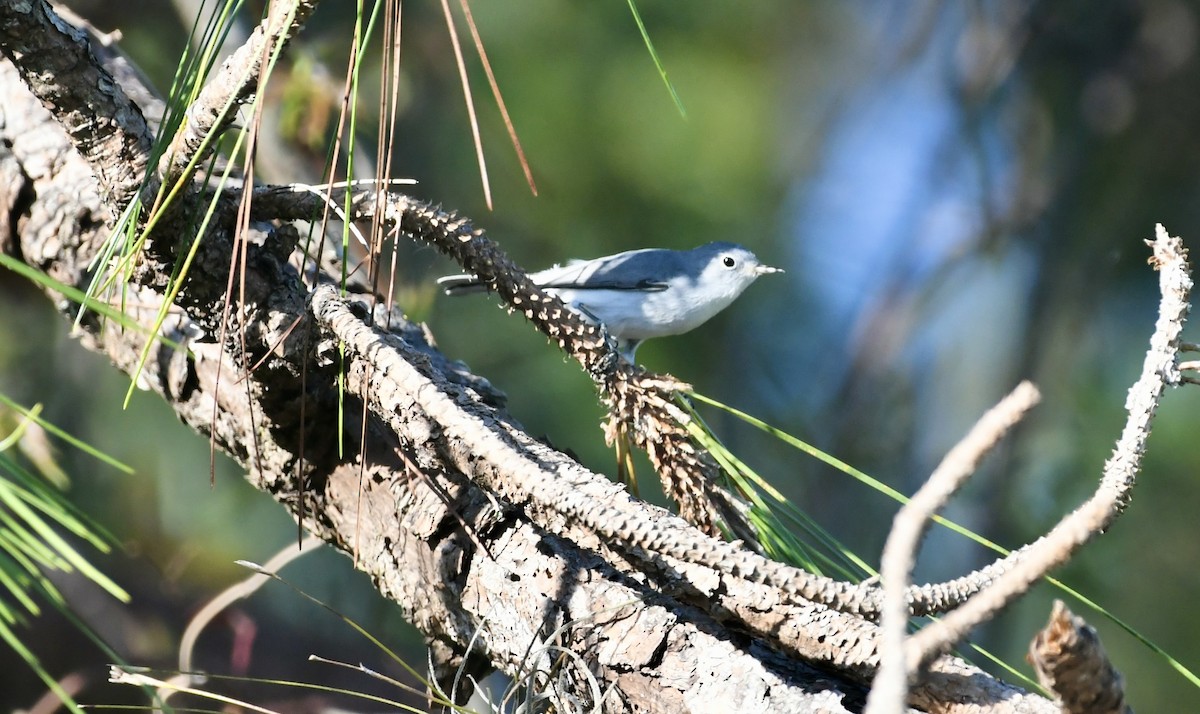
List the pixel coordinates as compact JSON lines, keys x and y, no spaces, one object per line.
{"x":890,"y":688}
{"x":1112,"y":494}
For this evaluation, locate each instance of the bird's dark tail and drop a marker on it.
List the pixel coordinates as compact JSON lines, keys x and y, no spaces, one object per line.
{"x":461,"y":284}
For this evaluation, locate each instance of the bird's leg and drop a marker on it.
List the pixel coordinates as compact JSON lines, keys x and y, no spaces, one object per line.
{"x":625,"y":348}
{"x":583,"y":309}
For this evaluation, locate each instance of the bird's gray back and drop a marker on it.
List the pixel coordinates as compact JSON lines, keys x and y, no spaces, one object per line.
{"x":645,"y":269}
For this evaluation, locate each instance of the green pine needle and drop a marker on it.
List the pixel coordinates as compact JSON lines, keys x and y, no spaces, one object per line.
{"x":662,"y":71}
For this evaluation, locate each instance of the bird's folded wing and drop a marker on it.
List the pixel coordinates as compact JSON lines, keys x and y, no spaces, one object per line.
{"x":624,"y":271}
{"x":644,"y":286}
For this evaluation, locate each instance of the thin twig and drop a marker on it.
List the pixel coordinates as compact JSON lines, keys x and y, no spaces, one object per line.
{"x":238,"y":591}
{"x":508,"y":122}
{"x":890,"y":688}
{"x":1120,"y":472}
{"x":466,"y":87}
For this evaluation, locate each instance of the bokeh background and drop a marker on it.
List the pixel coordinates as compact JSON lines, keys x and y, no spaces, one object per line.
{"x":959,"y":193}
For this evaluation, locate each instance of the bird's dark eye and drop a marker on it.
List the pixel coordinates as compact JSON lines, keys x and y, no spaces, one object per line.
{"x":729,"y":261}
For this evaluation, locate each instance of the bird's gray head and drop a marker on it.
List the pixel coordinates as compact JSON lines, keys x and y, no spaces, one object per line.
{"x":729,"y":268}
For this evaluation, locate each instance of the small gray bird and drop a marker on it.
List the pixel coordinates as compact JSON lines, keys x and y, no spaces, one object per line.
{"x":645,"y":293}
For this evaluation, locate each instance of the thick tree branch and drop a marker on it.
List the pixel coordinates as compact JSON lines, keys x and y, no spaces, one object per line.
{"x":56,"y":62}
